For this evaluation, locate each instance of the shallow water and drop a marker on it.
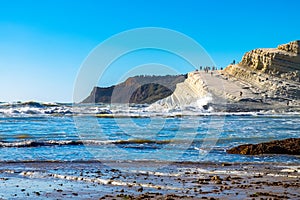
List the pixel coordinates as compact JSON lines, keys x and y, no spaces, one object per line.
{"x":59,"y":132}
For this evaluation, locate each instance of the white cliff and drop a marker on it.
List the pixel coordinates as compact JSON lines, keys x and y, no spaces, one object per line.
{"x":265,"y":79}
{"x":192,"y":92}
{"x":273,"y":73}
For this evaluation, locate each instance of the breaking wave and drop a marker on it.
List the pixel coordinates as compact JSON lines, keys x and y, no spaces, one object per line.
{"x":34,"y":143}
{"x":201,"y":107}
{"x":28,"y":109}
{"x":32,"y":109}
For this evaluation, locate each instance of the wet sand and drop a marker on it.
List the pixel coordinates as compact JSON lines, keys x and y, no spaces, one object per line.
{"x":148,"y":180}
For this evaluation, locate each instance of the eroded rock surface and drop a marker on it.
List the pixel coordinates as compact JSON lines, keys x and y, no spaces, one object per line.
{"x":138,"y":89}
{"x":288,"y":146}
{"x":271,"y":73}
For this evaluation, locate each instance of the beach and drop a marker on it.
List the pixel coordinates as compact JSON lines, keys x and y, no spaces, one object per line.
{"x":147,"y":180}
{"x":59,"y":154}
{"x":167,"y":100}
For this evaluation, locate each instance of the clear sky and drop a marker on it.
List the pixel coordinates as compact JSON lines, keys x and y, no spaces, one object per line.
{"x":43,"y":43}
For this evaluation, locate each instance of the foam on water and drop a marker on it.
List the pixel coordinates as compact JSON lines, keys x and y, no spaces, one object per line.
{"x":46,"y":131}
{"x":32,"y":109}
{"x":162,"y":108}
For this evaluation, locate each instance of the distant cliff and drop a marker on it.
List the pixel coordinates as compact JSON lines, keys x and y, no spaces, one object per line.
{"x":138,"y":89}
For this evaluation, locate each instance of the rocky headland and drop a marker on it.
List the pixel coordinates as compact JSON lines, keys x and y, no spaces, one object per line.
{"x":266,"y":79}
{"x":138,"y":89}
{"x":270,"y":75}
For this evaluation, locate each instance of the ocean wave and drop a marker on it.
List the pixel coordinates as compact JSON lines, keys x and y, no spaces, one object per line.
{"x":37,"y":143}
{"x":33,"y":109}
{"x":130,"y":142}
{"x":34,"y":143}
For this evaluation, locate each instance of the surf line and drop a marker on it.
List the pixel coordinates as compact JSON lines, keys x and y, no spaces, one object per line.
{"x":95,"y":180}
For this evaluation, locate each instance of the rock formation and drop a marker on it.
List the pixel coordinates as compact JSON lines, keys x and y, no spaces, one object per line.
{"x":188,"y":93}
{"x":265,"y":79}
{"x":273,"y":74}
{"x":288,"y":146}
{"x":283,"y":61}
{"x":138,"y":89}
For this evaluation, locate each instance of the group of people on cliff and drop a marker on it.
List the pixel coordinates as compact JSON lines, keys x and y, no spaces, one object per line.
{"x":207,"y":69}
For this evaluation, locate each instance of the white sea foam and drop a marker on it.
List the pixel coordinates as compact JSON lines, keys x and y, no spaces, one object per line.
{"x":168,"y":107}
{"x":191,"y":95}
{"x":95,"y":180}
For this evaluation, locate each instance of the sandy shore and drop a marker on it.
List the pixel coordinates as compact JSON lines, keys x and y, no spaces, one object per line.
{"x":148,"y":180}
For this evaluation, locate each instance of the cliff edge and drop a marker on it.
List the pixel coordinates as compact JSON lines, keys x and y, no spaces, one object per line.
{"x":272,"y":74}
{"x":266,"y":79}
{"x":138,"y":89}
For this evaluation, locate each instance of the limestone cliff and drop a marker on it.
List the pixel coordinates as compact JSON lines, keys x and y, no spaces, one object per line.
{"x":265,"y":79}
{"x":283,"y":62}
{"x":192,"y":92}
{"x":272,"y":73}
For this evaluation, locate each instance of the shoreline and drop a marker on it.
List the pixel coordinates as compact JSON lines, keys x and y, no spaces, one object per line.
{"x":109,"y":111}
{"x":152,"y":162}
{"x":136,"y":180}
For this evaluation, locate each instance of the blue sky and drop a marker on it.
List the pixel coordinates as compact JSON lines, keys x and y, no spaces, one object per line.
{"x":43,"y":43}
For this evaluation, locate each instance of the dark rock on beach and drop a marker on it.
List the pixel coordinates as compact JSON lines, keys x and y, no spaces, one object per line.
{"x":289,"y":146}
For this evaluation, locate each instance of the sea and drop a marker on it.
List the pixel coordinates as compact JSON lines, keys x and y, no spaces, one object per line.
{"x":59,"y":132}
